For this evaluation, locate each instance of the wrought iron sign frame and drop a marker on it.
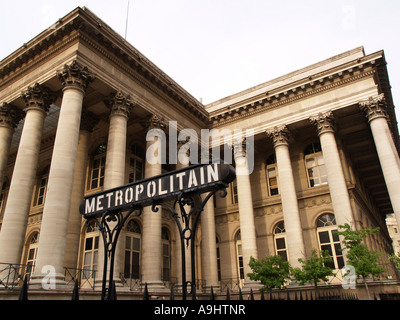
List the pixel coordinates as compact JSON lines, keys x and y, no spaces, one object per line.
{"x":185,"y":195}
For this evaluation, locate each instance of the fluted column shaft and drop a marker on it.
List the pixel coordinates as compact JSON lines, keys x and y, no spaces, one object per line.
{"x":120,"y":106}
{"x":152,"y":221}
{"x":88,"y":121}
{"x":209,"y":245}
{"x":245,"y":205}
{"x":375,"y":110}
{"x":294,"y":233}
{"x":12,"y":235}
{"x":52,"y":242}
{"x":325,"y":124}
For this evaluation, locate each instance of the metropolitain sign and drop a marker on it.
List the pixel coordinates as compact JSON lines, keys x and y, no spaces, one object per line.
{"x":200,"y":178}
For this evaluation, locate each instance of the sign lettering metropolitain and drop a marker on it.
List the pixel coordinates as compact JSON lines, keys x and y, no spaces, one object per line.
{"x":200,"y":178}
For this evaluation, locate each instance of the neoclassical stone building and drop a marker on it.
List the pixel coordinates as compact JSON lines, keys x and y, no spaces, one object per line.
{"x":76,"y":104}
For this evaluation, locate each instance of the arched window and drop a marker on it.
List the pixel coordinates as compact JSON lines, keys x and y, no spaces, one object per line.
{"x":271,"y":172}
{"x":280,"y":241}
{"x":91,"y":251}
{"x":328,"y":241}
{"x":136,"y":164}
{"x":41,"y":187}
{"x":239,"y":253}
{"x":98,"y":167}
{"x":32,"y":252}
{"x":132,"y":250}
{"x":166,"y":254}
{"x":315,"y":165}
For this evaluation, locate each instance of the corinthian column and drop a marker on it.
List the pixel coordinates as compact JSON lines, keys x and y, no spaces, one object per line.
{"x":37,"y":100}
{"x":88,"y":122}
{"x":152,"y":246}
{"x":120,"y":106}
{"x":325,"y":124}
{"x":51,"y":252}
{"x":245,"y":205}
{"x":294,"y":234}
{"x":10,"y":116}
{"x":375,"y":110}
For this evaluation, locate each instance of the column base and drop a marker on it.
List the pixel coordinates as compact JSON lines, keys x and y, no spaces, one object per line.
{"x":48,"y":282}
{"x":249,"y":285}
{"x":155,"y":286}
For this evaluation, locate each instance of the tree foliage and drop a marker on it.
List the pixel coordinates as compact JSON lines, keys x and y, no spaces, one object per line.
{"x":364,"y":261}
{"x":314,"y":269}
{"x":271,"y":271}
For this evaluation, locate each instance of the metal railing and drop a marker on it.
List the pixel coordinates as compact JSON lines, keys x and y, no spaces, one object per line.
{"x":12,"y":275}
{"x":86,"y":277}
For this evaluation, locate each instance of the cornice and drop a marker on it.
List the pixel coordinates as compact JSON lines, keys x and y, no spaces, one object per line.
{"x":290,"y":95}
{"x":83,"y":25}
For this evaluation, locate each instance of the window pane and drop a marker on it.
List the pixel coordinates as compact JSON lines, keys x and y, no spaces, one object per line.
{"x":31,"y":254}
{"x":165,"y":250}
{"x":95,"y":255}
{"x":96,"y":242}
{"x":324,"y":237}
{"x":338,"y":249}
{"x":88,"y":259}
{"x":327,"y":248}
{"x":310,"y":162}
{"x":128,"y":243}
{"x":89,"y":243}
{"x":340,"y":262}
{"x":335,"y":236}
{"x":127,"y":268}
{"x":280,"y":243}
{"x":283,"y":254}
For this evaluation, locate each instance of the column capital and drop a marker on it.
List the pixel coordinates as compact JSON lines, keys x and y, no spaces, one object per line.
{"x":279,"y":135}
{"x":324,"y":122}
{"x":75,"y":76}
{"x":156,"y":122}
{"x":374,"y":107}
{"x":10,"y":115}
{"x":38,"y":97}
{"x":239,"y":148}
{"x":121,"y":104}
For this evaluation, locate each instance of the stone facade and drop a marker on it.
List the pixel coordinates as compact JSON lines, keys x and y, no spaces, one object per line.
{"x":76,"y":104}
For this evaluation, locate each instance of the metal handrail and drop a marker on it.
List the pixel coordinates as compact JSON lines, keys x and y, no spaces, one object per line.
{"x":12,"y":275}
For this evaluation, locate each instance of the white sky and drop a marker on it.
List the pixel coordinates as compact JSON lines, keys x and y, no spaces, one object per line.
{"x":215,"y":48}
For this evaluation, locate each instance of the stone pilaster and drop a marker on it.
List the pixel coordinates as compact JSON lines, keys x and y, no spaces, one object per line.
{"x":294,"y":232}
{"x":375,"y":111}
{"x":325,"y":125}
{"x":10,"y":116}
{"x":52,"y":243}
{"x":37,"y":101}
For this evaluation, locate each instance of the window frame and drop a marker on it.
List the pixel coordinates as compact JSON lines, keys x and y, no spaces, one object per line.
{"x":318,"y":169}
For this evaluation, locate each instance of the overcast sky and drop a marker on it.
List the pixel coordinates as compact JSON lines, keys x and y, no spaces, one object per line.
{"x":215,"y":48}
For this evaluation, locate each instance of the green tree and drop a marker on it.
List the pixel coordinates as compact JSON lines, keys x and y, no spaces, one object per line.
{"x":314,"y":269}
{"x":364,"y":261}
{"x":271,"y":271}
{"x":396,"y":260}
